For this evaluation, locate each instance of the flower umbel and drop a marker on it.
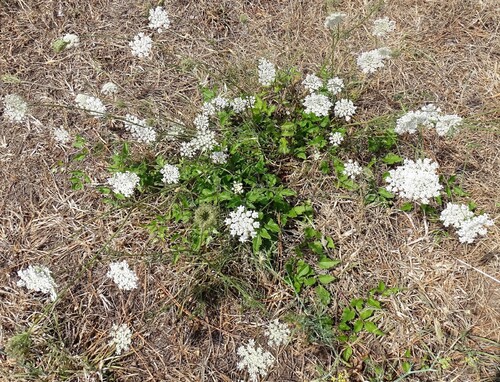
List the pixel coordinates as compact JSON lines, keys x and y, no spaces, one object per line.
{"x":124,"y":277}
{"x":278,"y":333}
{"x":170,"y":174}
{"x":92,"y":105}
{"x":267,"y":72}
{"x":141,"y":45}
{"x":468,"y":226}
{"x":15,"y":108}
{"x":124,"y":183}
{"x":158,"y":19}
{"x":317,"y":104}
{"x":121,"y":337}
{"x":334,"y":19}
{"x":255,"y":360}
{"x":344,"y":108}
{"x":312,"y":83}
{"x":242,"y":223}
{"x":109,"y":88}
{"x":38,"y":279}
{"x":352,"y":169}
{"x":335,"y":85}
{"x":383,"y":26}
{"x":336,"y":138}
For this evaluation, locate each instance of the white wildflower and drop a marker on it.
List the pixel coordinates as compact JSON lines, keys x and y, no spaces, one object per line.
{"x":255,"y":360}
{"x":383,"y":26}
{"x":158,"y":19}
{"x":93,"y":105}
{"x":237,"y":188}
{"x":335,"y":85}
{"x":124,"y":183}
{"x":219,"y":157}
{"x":207,"y":110}
{"x":204,"y":140}
{"x":352,"y":169}
{"x":141,"y":45}
{"x":472,"y":227}
{"x":448,"y":124}
{"x":240,"y":104}
{"x":370,"y":61}
{"x":334,"y":19}
{"x":278,"y":333}
{"x":37,"y":278}
{"x":317,"y":104}
{"x":170,"y":174}
{"x":109,"y":88}
{"x":124,"y":277}
{"x":139,"y":129}
{"x":71,"y":40}
{"x":15,"y":108}
{"x":188,"y":149}
{"x":312,"y":83}
{"x":344,"y":108}
{"x":455,"y":215}
{"x":121,"y":337}
{"x":242,"y":223}
{"x":61,"y":135}
{"x":267,"y":72}
{"x":220,"y":103}
{"x":201,"y":121}
{"x":336,"y":138}
{"x":415,"y":180}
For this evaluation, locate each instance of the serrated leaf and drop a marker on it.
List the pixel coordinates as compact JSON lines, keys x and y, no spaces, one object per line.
{"x":372,"y":302}
{"x":367,"y":313}
{"x":263,"y":233}
{"x":358,"y":325}
{"x":272,"y":226}
{"x":348,"y":315}
{"x":370,"y":327}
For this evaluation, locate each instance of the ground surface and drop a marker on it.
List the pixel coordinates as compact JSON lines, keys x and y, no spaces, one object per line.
{"x":447,"y":312}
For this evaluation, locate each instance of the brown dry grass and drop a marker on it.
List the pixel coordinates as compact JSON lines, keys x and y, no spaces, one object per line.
{"x":449,"y":54}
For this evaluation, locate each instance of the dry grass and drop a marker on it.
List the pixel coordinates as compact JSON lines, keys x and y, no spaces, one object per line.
{"x":447,"y":309}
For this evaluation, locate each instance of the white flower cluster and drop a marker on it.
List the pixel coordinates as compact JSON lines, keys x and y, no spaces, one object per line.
{"x":267,"y":72}
{"x":317,"y":104}
{"x":124,"y":183}
{"x":372,"y":60}
{"x":122,"y":275}
{"x":468,"y":226}
{"x":158,"y":19}
{"x":109,"y":88}
{"x":429,"y":116}
{"x":170,"y":174}
{"x":121,"y":337}
{"x":71,"y":40}
{"x":278,"y":333}
{"x":14,"y":108}
{"x":139,"y":129}
{"x":335,"y":85}
{"x":93,"y":105}
{"x":141,"y":45}
{"x":352,"y":169}
{"x":237,"y":188}
{"x":383,"y":26}
{"x":242,"y":223}
{"x":312,"y":83}
{"x":38,"y":279}
{"x":334,"y":19}
{"x":240,"y":104}
{"x":336,"y":138}
{"x":61,"y":135}
{"x":255,"y":360}
{"x":219,"y":157}
{"x":415,"y":180}
{"x":344,"y":108}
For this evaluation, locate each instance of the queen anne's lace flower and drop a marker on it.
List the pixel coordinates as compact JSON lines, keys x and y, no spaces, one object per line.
{"x":109,"y":88}
{"x":38,"y":279}
{"x":92,"y":105}
{"x":124,"y":183}
{"x":255,"y":360}
{"x":472,"y":227}
{"x":139,"y":129}
{"x":415,"y":180}
{"x":121,"y":337}
{"x":61,"y":135}
{"x":71,"y":40}
{"x":336,"y":138}
{"x":455,"y":214}
{"x":158,"y":19}
{"x":335,"y":85}
{"x":219,"y":157}
{"x":220,"y":103}
{"x":237,"y":188}
{"x":267,"y":72}
{"x":15,"y":108}
{"x":429,"y":116}
{"x":334,"y":19}
{"x":170,"y":174}
{"x":312,"y":83}
{"x":317,"y":104}
{"x":383,"y":26}
{"x":370,"y":61}
{"x":344,"y":108}
{"x":447,"y":124}
{"x":141,"y":45}
{"x":242,"y":223}
{"x":278,"y":333}
{"x":352,"y":169}
{"x":124,"y":277}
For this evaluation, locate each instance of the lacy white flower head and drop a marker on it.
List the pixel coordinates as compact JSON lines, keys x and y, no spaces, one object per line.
{"x":237,"y":188}
{"x":415,"y":180}
{"x":448,"y":124}
{"x":344,"y":108}
{"x":204,"y":140}
{"x":109,"y":88}
{"x":317,"y":104}
{"x":336,"y":138}
{"x":124,"y":277}
{"x":220,"y":103}
{"x":352,"y":169}
{"x":141,"y":45}
{"x":243,"y":223}
{"x":61,"y":135}
{"x":139,"y":129}
{"x":92,"y":105}
{"x":383,"y":26}
{"x":335,"y":85}
{"x":37,"y":278}
{"x":219,"y":157}
{"x":370,"y":61}
{"x":255,"y":360}
{"x":240,"y":104}
{"x":267,"y":72}
{"x":14,"y":108}
{"x":121,"y":337}
{"x":71,"y":40}
{"x":278,"y":333}
{"x":312,"y":83}
{"x":455,"y":215}
{"x":188,"y":149}
{"x":124,"y":183}
{"x":334,"y":19}
{"x":170,"y":174}
{"x":472,"y":227}
{"x":158,"y":19}
{"x":429,"y":116}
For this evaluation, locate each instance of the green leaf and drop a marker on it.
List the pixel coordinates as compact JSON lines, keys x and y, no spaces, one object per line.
{"x":323,"y":294}
{"x":392,"y":158}
{"x":326,"y":279}
{"x":385,"y":194}
{"x":370,"y":327}
{"x":272,"y":226}
{"x":347,"y":353}
{"x":303,"y":270}
{"x":406,"y":367}
{"x":310,"y":281}
{"x":373,"y":302}
{"x":358,"y":325}
{"x":326,"y":263}
{"x":344,"y":327}
{"x":367,"y":313}
{"x":406,"y":207}
{"x":348,"y":315}
{"x":257,"y":242}
{"x":263,"y":233}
